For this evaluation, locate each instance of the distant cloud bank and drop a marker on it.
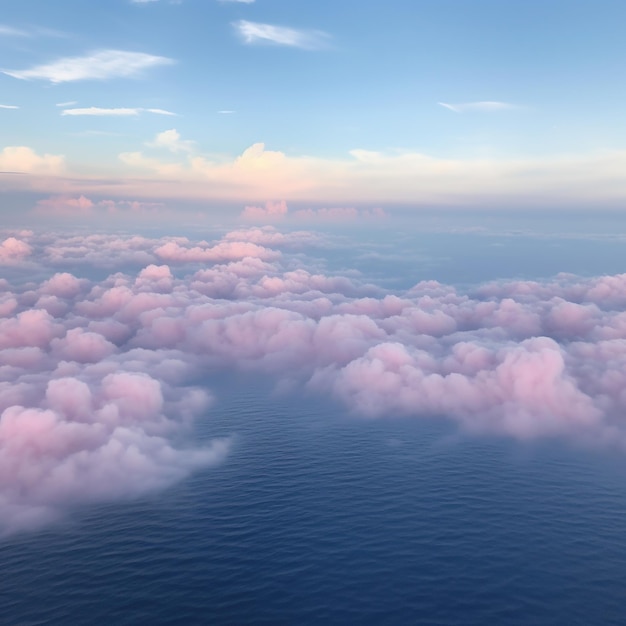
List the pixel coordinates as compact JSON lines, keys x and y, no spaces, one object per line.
{"x":362,"y":176}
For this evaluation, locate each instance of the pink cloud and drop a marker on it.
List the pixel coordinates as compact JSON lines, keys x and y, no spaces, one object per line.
{"x":271,"y":211}
{"x":64,"y":206}
{"x":218,"y":253}
{"x":14,"y":250}
{"x":98,"y":376}
{"x":278,"y":210}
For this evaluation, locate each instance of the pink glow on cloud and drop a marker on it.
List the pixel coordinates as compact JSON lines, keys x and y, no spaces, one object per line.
{"x":64,"y":206}
{"x":82,"y":206}
{"x":96,"y":375}
{"x":220,"y":252}
{"x":271,"y":211}
{"x":274,"y":211}
{"x":14,"y":250}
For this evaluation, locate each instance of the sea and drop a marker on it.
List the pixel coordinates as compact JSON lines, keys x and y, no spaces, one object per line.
{"x":320,"y":516}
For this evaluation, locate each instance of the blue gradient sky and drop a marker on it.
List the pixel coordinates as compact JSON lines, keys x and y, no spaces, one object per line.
{"x":445,"y":102}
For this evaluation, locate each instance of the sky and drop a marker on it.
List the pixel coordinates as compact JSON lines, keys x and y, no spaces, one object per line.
{"x":220,"y":104}
{"x":304,"y":138}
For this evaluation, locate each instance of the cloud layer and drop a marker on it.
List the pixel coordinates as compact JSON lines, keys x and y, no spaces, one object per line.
{"x":97,"y":376}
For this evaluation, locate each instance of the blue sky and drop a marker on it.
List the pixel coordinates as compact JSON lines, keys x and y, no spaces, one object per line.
{"x":472,"y":97}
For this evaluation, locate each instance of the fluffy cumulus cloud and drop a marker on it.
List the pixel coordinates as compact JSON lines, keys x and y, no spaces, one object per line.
{"x":13,"y":250}
{"x":24,"y":160}
{"x":97,"y":386}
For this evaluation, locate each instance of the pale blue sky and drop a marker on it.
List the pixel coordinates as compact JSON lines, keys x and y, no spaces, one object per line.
{"x":529,"y":80}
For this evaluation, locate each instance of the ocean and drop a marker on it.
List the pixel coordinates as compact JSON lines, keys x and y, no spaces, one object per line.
{"x":320,"y":514}
{"x":321,"y":517}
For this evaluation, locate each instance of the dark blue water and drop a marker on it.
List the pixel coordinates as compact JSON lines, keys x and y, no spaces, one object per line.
{"x":319,"y":518}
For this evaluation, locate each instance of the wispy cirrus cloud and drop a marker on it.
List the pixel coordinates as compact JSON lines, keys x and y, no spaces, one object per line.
{"x":9,"y":31}
{"x":256,"y":32}
{"x":34,"y":31}
{"x":8,"y":106}
{"x":115,"y":112}
{"x":484,"y":106}
{"x":99,"y":65}
{"x":237,"y":1}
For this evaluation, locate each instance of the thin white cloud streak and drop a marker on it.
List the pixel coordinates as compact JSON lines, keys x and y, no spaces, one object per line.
{"x":486,"y":106}
{"x":100,"y":65}
{"x":9,"y":31}
{"x":236,"y":1}
{"x":114,"y":112}
{"x":69,"y":103}
{"x":8,"y":106}
{"x":96,"y":374}
{"x":256,"y":32}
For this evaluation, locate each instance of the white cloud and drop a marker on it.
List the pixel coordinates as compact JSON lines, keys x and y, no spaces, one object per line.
{"x":8,"y":106}
{"x":160,"y":112}
{"x":486,"y":106}
{"x":225,"y":112}
{"x":100,"y":65}
{"x":240,"y":1}
{"x":25,"y":160}
{"x":66,"y":104}
{"x":116,"y":112}
{"x":255,"y":32}
{"x":171,"y":140}
{"x":9,"y":31}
